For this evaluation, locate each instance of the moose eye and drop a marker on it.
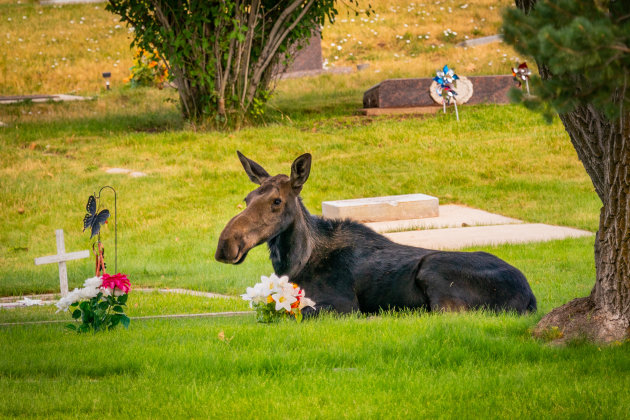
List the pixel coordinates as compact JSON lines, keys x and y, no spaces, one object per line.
{"x":277,"y":201}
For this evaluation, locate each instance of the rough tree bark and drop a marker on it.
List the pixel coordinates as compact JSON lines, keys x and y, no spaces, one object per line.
{"x":603,"y":146}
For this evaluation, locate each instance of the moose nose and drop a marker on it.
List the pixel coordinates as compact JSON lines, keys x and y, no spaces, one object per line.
{"x":227,"y":251}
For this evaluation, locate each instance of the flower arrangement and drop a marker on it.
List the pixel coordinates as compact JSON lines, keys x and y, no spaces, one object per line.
{"x":521,"y":74}
{"x":275,"y":298}
{"x":100,"y":303}
{"x":147,"y":70}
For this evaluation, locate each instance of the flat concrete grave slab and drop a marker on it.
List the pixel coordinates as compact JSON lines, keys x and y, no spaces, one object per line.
{"x":51,"y":298}
{"x":456,"y":238}
{"x":117,"y":171}
{"x":130,"y":172}
{"x":450,"y":215}
{"x":481,"y":41}
{"x":375,"y":209}
{"x":5,"y":100}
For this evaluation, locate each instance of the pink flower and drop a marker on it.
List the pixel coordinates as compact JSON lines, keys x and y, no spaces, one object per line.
{"x":117,"y":281}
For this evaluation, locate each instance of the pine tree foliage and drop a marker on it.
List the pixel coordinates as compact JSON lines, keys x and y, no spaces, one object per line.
{"x":585,"y":48}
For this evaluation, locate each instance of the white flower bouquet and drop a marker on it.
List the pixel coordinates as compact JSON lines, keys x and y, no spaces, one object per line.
{"x":275,"y":298}
{"x":99,"y":304}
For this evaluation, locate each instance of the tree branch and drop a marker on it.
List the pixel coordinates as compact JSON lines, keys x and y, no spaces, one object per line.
{"x":272,"y":46}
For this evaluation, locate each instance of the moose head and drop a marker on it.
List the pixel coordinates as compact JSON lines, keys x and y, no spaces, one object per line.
{"x":271,"y":209}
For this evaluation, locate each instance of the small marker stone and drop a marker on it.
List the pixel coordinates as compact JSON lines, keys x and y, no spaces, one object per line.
{"x":118,"y":171}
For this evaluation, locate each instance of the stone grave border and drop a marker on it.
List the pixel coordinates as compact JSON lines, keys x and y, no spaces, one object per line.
{"x":8,"y":100}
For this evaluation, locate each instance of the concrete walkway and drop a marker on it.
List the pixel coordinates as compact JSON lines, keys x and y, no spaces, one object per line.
{"x":460,"y":227}
{"x":456,"y":238}
{"x":450,"y":216}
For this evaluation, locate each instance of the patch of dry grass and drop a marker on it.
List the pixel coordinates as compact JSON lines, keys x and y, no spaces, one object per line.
{"x":65,"y":49}
{"x":60,"y":49}
{"x":403,"y":39}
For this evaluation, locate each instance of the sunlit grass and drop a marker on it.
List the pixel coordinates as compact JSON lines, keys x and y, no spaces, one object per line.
{"x":458,"y":365}
{"x":412,"y":39}
{"x":65,"y":49}
{"x":60,"y":49}
{"x":500,"y":159}
{"x":469,"y":365}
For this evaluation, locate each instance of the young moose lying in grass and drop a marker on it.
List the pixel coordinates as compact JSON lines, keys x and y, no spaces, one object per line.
{"x":345,"y":266}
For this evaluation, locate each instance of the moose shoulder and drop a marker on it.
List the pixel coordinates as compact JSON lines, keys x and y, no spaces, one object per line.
{"x":345,"y":266}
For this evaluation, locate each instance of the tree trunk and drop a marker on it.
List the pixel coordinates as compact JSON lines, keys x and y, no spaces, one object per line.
{"x":603,"y":146}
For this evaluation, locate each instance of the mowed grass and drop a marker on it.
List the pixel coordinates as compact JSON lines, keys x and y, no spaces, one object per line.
{"x":408,"y":365}
{"x":140,"y":303}
{"x":557,"y":271}
{"x":499,"y":158}
{"x":55,"y":49}
{"x":471,"y":365}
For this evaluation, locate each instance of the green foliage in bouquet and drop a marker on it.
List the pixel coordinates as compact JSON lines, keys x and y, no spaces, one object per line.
{"x":100,"y":313}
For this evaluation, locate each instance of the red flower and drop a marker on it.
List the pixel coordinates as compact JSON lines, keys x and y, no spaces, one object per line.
{"x":117,"y":281}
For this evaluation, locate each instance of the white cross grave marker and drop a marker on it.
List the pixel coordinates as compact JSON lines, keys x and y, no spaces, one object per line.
{"x":61,"y":258}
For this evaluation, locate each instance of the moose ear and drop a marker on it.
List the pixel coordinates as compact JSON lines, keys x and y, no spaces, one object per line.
{"x":300,"y":169}
{"x":256,"y":173}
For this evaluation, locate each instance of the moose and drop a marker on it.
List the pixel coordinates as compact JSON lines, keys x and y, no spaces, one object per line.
{"x":344,"y":266}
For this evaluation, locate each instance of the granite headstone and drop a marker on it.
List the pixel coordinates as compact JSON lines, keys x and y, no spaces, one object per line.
{"x":409,"y":93}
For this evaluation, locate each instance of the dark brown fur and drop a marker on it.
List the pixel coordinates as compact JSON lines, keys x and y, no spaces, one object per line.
{"x":345,"y":266}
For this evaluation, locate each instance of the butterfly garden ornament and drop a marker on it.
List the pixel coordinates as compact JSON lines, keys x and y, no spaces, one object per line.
{"x":92,"y":219}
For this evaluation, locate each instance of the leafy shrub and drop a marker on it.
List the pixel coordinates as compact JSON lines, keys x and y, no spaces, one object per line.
{"x":223,"y":55}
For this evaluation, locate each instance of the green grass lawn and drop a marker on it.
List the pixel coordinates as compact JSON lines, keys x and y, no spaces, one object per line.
{"x":499,"y":158}
{"x":141,"y":304}
{"x":471,"y":365}
{"x":502,"y":159}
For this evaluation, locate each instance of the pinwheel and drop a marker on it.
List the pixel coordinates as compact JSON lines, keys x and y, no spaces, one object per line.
{"x":445,"y":76}
{"x":445,"y":79}
{"x":522,"y":73}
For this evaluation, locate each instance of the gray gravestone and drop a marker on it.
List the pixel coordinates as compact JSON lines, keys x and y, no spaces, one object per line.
{"x":409,"y":93}
{"x":309,"y":58}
